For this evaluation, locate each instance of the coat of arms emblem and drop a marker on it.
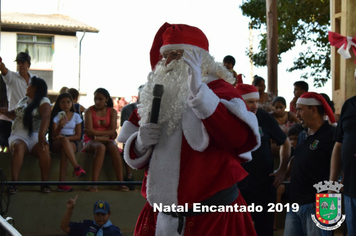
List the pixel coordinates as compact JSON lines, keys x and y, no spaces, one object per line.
{"x":328,"y":206}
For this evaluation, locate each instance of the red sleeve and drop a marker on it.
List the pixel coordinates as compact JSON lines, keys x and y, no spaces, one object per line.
{"x":134,"y":118}
{"x":225,"y":128}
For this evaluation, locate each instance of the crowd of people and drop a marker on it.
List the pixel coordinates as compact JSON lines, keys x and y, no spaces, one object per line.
{"x":218,"y":141}
{"x":38,"y":127}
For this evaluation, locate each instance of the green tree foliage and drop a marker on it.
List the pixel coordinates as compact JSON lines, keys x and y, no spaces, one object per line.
{"x":307,"y":21}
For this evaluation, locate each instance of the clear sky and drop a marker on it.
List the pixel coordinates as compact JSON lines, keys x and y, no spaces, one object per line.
{"x":117,"y":58}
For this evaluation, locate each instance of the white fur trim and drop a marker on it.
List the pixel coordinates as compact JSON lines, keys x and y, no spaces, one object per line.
{"x":194,"y":131}
{"x":309,"y":101}
{"x":139,"y":162}
{"x":238,"y":107}
{"x":204,"y":103}
{"x":167,"y":225}
{"x":178,"y":47}
{"x":165,"y":161}
{"x":246,"y":156}
{"x":209,"y":78}
{"x":126,"y":131}
{"x":255,"y":95}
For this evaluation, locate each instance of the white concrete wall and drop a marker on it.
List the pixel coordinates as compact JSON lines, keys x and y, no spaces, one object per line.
{"x":65,"y":58}
{"x":8,"y":49}
{"x":65,"y":62}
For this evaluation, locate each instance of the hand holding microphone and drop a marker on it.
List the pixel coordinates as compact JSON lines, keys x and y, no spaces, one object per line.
{"x":148,"y":134}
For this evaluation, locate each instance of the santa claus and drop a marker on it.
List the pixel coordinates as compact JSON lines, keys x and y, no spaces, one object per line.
{"x":192,"y":155}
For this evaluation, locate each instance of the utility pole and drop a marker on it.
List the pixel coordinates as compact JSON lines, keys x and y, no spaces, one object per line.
{"x":272,"y":46}
{"x":250,"y":39}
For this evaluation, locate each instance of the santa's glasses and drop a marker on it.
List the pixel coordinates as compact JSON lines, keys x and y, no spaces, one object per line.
{"x":173,"y":54}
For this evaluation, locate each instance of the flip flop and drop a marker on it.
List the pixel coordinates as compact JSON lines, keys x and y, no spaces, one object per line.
{"x":123,"y":188}
{"x":93,"y":189}
{"x":13,"y":189}
{"x":45,"y":189}
{"x":130,"y":177}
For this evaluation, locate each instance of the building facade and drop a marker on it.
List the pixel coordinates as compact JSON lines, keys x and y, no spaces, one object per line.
{"x":52,"y":43}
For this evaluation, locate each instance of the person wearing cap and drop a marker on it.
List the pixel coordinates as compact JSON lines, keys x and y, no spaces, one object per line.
{"x":100,"y":226}
{"x":262,"y":177}
{"x":192,"y":156}
{"x":16,"y":85}
{"x":17,"y":82}
{"x":311,"y":163}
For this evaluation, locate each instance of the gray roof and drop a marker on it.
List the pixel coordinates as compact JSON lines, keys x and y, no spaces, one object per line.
{"x":54,"y":22}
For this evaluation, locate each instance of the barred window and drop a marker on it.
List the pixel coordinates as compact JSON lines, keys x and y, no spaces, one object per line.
{"x":39,"y":47}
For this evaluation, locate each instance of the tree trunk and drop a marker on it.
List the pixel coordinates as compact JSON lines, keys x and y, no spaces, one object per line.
{"x":272,"y":46}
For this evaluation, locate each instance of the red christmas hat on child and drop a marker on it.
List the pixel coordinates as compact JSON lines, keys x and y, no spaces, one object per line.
{"x":176,"y":37}
{"x":247,"y":91}
{"x":315,"y":99}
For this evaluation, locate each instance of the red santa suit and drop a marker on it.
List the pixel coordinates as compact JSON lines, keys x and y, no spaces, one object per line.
{"x":199,"y":159}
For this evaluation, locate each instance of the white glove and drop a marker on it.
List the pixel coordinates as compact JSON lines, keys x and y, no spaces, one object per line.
{"x":194,"y":61}
{"x":148,"y":135}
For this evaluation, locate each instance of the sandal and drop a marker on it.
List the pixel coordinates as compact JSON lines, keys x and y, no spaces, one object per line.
{"x":123,"y":188}
{"x":45,"y":189}
{"x":130,"y":177}
{"x":12,"y":189}
{"x":79,"y":172}
{"x":93,"y":189}
{"x":64,"y":188}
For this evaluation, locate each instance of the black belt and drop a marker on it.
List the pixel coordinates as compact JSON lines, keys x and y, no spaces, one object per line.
{"x":223,"y":197}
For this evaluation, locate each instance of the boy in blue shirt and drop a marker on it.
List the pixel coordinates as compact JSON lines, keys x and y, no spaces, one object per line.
{"x":100,"y":226}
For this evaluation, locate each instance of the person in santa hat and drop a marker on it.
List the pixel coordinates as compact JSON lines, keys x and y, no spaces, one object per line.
{"x":193,"y":155}
{"x":311,"y":163}
{"x":262,"y":177}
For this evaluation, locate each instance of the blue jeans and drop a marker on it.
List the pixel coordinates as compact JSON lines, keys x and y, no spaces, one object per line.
{"x":300,"y":223}
{"x":350,"y":212}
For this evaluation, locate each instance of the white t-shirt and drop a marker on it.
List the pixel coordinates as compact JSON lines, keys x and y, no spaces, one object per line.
{"x":20,"y":112}
{"x":16,"y":87}
{"x":69,"y":128}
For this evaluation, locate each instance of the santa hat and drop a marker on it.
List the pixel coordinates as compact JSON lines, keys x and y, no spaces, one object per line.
{"x":315,"y":99}
{"x":176,"y":37}
{"x":247,"y":91}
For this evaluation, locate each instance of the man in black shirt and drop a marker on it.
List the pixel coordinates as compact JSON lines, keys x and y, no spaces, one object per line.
{"x":311,"y":163}
{"x":259,"y":187}
{"x":344,"y":157}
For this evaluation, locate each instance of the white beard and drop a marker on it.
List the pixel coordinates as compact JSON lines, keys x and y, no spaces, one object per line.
{"x":174,"y":78}
{"x":174,"y":99}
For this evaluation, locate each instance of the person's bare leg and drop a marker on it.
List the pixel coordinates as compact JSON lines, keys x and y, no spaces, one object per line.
{"x":99,"y":154}
{"x":116,"y":159}
{"x":69,"y":149}
{"x":63,"y":166}
{"x":18,"y":150}
{"x":44,"y":159}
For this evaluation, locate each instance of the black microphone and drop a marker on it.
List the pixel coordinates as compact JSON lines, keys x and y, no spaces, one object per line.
{"x":156,"y":102}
